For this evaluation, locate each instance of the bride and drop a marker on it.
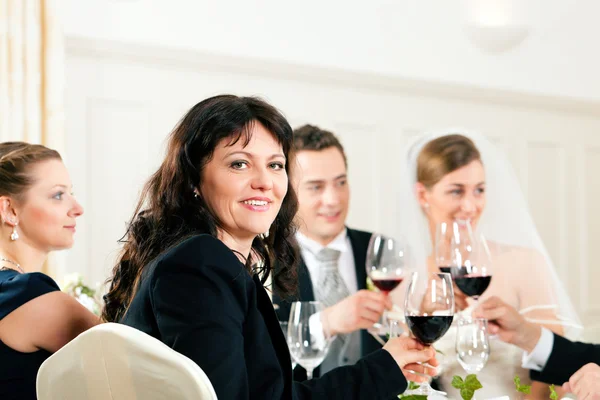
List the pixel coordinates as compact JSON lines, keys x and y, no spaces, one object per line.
{"x":450,"y":177}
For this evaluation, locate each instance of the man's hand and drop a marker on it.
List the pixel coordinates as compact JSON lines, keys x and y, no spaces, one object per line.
{"x":585,"y":383}
{"x":359,"y":311}
{"x":508,"y":324}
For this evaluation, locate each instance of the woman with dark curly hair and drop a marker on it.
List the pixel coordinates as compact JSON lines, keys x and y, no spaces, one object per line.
{"x":197,"y":255}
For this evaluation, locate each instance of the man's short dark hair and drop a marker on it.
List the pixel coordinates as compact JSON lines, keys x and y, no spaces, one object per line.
{"x":310,"y":137}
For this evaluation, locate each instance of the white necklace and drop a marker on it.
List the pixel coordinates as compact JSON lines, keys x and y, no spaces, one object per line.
{"x":16,"y":264}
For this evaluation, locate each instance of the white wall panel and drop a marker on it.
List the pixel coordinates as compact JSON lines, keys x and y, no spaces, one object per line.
{"x":122,"y":101}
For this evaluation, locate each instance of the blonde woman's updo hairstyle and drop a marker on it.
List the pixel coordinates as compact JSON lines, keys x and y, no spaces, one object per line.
{"x":443,"y":155}
{"x":16,"y":160}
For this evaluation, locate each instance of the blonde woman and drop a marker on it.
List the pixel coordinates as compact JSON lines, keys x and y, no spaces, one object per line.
{"x":461,"y":176}
{"x":38,"y":215}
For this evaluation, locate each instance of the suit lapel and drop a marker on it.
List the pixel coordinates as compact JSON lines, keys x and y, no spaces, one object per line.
{"x":360,"y":244}
{"x":265,"y":307}
{"x":305,"y":282}
{"x":359,"y":250}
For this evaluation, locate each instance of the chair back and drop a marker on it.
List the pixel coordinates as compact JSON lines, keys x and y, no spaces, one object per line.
{"x":118,"y":362}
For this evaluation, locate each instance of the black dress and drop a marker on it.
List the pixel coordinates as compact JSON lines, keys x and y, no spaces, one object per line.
{"x":18,"y":370}
{"x":199,"y":299}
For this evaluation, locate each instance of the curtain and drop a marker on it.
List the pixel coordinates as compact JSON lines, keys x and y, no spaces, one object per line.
{"x":32,"y":80}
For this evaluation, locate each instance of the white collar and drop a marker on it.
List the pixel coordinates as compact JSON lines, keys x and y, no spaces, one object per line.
{"x":339,"y":243}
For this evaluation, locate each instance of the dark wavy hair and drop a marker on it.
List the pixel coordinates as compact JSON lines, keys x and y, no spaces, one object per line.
{"x":168,"y":211}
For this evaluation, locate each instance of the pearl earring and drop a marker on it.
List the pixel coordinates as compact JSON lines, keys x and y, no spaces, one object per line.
{"x":14,"y":235}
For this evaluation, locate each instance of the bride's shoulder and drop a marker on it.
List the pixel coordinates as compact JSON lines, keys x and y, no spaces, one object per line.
{"x":498,"y":249}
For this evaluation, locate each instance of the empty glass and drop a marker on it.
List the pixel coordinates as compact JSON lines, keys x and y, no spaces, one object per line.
{"x":472,"y":344}
{"x":284,"y":328}
{"x":306,"y":337}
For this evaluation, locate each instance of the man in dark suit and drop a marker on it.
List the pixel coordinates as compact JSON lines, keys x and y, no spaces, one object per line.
{"x":332,"y":268}
{"x":550,"y":357}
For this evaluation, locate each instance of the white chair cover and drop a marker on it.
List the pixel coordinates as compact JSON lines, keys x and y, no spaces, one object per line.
{"x":117,"y":362}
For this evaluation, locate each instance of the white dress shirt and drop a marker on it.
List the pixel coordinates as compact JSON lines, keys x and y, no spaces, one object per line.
{"x":537,"y":359}
{"x":309,"y":250}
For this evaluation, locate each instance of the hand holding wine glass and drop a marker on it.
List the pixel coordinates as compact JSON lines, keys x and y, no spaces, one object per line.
{"x":429,"y":311}
{"x":386,"y":264}
{"x":508,"y":324}
{"x":359,"y":311}
{"x":408,"y":352}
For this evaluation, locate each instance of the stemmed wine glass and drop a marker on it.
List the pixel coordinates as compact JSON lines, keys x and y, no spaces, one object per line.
{"x":386,"y":267}
{"x":443,"y":245}
{"x":284,"y":328}
{"x":306,"y":337}
{"x":429,"y":311}
{"x":467,"y":259}
{"x":472,"y":344}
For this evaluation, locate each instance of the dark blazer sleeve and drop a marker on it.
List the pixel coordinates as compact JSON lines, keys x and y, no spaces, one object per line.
{"x":200,"y":296}
{"x":207,"y":328}
{"x":375,"y":376}
{"x":566,"y":358}
{"x":283,"y":305}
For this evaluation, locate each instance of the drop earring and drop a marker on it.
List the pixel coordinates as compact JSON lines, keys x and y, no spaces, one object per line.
{"x":14,"y":235}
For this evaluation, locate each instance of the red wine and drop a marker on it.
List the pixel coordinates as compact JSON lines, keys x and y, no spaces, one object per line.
{"x":429,"y":329}
{"x":470,"y":284}
{"x":473,"y":286}
{"x":387,"y":285}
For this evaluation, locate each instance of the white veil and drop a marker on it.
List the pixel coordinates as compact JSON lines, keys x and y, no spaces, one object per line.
{"x":505,"y":221}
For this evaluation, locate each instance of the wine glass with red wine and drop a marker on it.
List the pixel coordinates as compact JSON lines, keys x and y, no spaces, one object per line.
{"x":466,"y":258}
{"x":429,"y":311}
{"x":387,"y":266}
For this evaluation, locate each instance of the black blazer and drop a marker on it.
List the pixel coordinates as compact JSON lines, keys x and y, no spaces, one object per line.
{"x":566,"y":358}
{"x":359,"y":241}
{"x":199,"y":299}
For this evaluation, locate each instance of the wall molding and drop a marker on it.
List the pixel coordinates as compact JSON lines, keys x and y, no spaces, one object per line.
{"x":188,"y":59}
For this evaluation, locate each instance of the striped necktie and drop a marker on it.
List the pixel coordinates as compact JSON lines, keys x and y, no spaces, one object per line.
{"x":330,"y":289}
